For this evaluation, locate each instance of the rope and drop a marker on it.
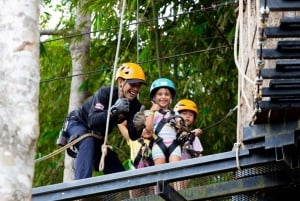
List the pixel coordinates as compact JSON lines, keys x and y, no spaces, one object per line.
{"x":104,"y":146}
{"x":68,"y":146}
{"x":137,"y":32}
{"x":237,"y":62}
{"x":237,"y":144}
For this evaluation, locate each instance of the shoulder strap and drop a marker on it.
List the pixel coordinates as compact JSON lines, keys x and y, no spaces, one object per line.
{"x":139,"y":154}
{"x":163,"y":147}
{"x":173,"y":146}
{"x":151,"y":143}
{"x":163,"y":121}
{"x":160,"y":125}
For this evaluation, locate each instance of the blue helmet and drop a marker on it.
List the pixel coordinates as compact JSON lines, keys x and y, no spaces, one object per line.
{"x":162,"y":83}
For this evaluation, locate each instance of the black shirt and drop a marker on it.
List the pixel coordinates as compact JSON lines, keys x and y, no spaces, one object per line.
{"x":93,"y":112}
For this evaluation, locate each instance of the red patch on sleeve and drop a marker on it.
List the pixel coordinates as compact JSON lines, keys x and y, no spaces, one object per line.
{"x":99,"y":106}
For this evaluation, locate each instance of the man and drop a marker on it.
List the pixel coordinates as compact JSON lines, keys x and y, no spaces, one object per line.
{"x":91,"y":117}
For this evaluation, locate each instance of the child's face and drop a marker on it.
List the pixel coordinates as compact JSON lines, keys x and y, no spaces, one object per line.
{"x":188,"y":116}
{"x":163,"y":97}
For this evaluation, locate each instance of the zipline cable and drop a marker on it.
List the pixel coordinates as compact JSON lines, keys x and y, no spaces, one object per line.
{"x":137,"y":32}
{"x":213,"y":7}
{"x":141,"y":62}
{"x":221,"y":120}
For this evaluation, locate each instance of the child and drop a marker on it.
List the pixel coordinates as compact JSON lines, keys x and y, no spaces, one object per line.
{"x":162,"y":121}
{"x":140,"y":155}
{"x":162,"y":92}
{"x":189,"y":111}
{"x":192,"y":147}
{"x":141,"y":146}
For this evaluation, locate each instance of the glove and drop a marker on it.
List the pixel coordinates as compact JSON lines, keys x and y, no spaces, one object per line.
{"x":139,"y":119}
{"x":120,"y":106}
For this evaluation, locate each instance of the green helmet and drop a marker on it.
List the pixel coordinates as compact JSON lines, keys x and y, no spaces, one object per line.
{"x":162,"y":83}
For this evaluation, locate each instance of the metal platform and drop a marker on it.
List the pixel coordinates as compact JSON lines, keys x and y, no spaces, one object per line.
{"x":265,"y":145}
{"x":203,"y":166}
{"x":281,"y":5}
{"x":289,"y":27}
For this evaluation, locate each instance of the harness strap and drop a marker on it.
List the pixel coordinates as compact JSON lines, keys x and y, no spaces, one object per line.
{"x":173,"y":146}
{"x":166,"y":150}
{"x":163,"y":147}
{"x":160,"y":125}
{"x":139,"y":156}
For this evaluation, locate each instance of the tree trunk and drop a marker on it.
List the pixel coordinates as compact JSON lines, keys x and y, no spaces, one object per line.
{"x":19,"y":81}
{"x":80,"y":58}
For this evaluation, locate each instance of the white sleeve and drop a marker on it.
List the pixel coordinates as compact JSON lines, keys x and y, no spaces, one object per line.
{"x":197,"y":146}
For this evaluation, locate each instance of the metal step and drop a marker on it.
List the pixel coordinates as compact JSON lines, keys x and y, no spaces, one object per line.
{"x":278,"y":113}
{"x":289,"y":27}
{"x":275,"y":54}
{"x":281,"y":5}
{"x":280,"y":93}
{"x":260,"y":132}
{"x":288,"y":65}
{"x":284,"y":69}
{"x":288,"y":46}
{"x":290,"y":23}
{"x":284,"y":84}
{"x":286,"y":49}
{"x":285,"y":100}
{"x":276,"y":32}
{"x":279,"y":105}
{"x":273,"y":73}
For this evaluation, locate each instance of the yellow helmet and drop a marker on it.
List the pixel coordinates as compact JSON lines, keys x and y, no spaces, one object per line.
{"x":131,"y":72}
{"x":186,"y":104}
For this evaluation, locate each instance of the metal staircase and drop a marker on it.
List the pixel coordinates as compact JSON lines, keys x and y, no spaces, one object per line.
{"x":276,"y":128}
{"x":270,"y":162}
{"x":284,"y":79}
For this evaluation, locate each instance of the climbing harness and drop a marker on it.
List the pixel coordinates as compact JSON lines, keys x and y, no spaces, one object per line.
{"x":186,"y":138}
{"x":144,"y":156}
{"x":175,"y":121}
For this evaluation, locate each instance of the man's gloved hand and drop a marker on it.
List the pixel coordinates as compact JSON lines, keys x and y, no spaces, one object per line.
{"x":139,"y":119}
{"x":120,"y":106}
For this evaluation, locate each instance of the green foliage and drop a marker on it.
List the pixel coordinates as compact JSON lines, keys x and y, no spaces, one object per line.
{"x":192,"y":53}
{"x":53,"y":106}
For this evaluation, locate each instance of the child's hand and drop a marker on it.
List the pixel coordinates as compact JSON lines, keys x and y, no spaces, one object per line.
{"x":154,"y":107}
{"x":197,"y":132}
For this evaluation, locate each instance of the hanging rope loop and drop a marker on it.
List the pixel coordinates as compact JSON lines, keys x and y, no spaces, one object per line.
{"x":104,"y":146}
{"x":104,"y":151}
{"x":237,"y":146}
